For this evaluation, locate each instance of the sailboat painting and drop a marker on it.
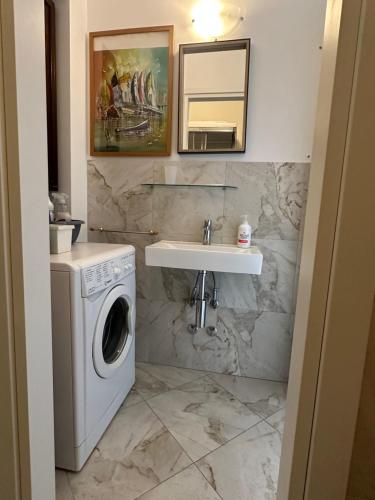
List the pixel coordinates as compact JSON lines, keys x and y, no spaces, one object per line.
{"x":131,"y":92}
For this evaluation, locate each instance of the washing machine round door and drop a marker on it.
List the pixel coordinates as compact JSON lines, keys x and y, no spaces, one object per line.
{"x":113,"y":334}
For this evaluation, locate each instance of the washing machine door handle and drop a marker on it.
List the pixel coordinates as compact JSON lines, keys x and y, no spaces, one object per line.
{"x":114,"y":332}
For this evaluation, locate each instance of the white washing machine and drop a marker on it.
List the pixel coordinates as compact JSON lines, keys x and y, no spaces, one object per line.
{"x":93,"y":324}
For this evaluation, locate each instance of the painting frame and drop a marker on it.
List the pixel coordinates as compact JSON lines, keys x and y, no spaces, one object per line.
{"x":95,"y":123}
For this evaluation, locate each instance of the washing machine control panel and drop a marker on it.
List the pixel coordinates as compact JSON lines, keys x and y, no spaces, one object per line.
{"x":100,"y":276}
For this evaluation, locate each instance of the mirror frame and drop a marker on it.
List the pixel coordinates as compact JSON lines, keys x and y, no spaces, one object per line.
{"x":224,"y":45}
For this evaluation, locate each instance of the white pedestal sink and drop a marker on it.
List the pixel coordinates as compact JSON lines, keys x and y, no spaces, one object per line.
{"x":215,"y":257}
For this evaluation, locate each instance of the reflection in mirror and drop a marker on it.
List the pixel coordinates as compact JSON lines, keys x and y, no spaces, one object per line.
{"x":213,"y":96}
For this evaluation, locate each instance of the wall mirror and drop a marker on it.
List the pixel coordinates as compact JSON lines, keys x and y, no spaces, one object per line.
{"x":213,"y":95}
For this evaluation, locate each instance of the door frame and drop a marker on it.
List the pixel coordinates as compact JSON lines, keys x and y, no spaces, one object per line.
{"x":311,"y":386}
{"x":327,"y":358}
{"x":26,"y":398}
{"x":10,"y":480}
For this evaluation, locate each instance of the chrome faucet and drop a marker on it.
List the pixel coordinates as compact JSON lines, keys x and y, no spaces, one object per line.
{"x":207,"y":232}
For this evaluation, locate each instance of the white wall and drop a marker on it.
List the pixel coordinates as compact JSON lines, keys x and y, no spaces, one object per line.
{"x":284,"y":66}
{"x":71,"y":29}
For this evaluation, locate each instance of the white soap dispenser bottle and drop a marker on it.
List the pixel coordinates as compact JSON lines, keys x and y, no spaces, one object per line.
{"x":244,"y":233}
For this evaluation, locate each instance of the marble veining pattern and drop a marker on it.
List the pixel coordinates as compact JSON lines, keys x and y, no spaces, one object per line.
{"x":273,"y":195}
{"x":255,"y":317}
{"x":247,"y":467}
{"x":152,"y":380}
{"x":273,"y":289}
{"x":247,"y":343}
{"x":116,"y":198}
{"x":263,"y":397}
{"x":178,"y":211}
{"x":187,"y":485}
{"x":277,"y":421}
{"x":135,"y":454}
{"x":133,"y":398}
{"x":144,"y":454}
{"x":171,"y":376}
{"x":63,"y":491}
{"x":202,"y":416}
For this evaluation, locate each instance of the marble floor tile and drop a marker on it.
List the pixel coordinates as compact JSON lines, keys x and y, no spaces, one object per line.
{"x":277,"y":421}
{"x":135,"y":454}
{"x":263,"y":397}
{"x":63,"y":491}
{"x":170,"y":375}
{"x":247,"y":467}
{"x":202,"y":416}
{"x":146,"y":384}
{"x":187,"y":485}
{"x":132,"y":398}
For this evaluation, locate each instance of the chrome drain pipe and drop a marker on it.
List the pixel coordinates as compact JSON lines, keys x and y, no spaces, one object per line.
{"x":200,"y":299}
{"x":200,"y":308}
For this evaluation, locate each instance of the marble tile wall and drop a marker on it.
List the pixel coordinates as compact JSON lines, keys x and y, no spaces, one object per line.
{"x":255,"y":318}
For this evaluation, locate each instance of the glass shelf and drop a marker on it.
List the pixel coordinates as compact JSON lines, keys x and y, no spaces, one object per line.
{"x":163,"y":184}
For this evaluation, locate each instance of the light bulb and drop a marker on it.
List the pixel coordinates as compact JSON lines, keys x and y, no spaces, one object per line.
{"x":207,"y":19}
{"x":214,"y":18}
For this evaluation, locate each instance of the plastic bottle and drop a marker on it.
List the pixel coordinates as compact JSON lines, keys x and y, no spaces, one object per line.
{"x":50,"y":210}
{"x":60,"y":203}
{"x":244,"y":233}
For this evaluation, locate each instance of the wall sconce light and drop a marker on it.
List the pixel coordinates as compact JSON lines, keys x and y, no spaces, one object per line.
{"x":212,"y":18}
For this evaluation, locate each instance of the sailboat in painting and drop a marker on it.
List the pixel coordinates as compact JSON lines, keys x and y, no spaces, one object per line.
{"x":130,"y":101}
{"x":150,"y":90}
{"x":134,"y":89}
{"x":141,"y":88}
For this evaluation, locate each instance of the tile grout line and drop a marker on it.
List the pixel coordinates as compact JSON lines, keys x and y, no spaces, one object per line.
{"x":204,"y":375}
{"x":164,"y":425}
{"x":207,"y":481}
{"x":162,"y":482}
{"x":208,"y":372}
{"x":252,"y":411}
{"x":122,"y":407}
{"x":170,"y":366}
{"x":178,"y":444}
{"x":231,"y":439}
{"x":207,"y":375}
{"x":237,"y":399}
{"x":168,"y":388}
{"x":262,"y":419}
{"x":192,"y":464}
{"x":172,"y":388}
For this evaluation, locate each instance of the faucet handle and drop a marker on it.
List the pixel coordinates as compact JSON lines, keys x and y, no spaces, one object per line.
{"x":207,"y":222}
